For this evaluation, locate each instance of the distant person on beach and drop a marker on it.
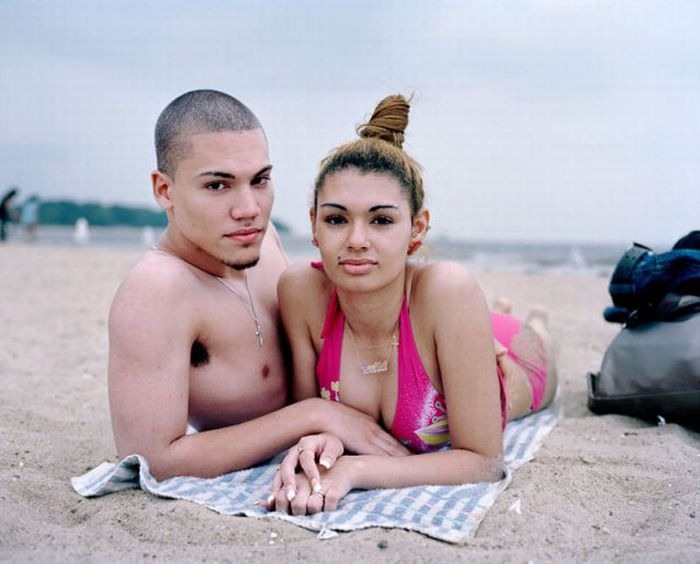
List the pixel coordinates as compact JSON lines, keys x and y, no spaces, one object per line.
{"x":6,"y":212}
{"x":29,"y":217}
{"x":81,"y":232}
{"x":194,"y":329}
{"x":411,"y":344}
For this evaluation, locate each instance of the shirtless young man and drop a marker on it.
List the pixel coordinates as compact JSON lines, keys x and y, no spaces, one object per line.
{"x":194,"y":329}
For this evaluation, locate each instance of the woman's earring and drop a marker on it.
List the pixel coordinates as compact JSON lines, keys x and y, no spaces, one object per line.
{"x":314,"y":242}
{"x":413,"y":247}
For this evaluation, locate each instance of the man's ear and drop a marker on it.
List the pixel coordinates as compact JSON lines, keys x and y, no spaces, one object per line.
{"x":162,"y":192}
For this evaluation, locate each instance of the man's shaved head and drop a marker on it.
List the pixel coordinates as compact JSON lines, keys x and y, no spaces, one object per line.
{"x":199,"y":111}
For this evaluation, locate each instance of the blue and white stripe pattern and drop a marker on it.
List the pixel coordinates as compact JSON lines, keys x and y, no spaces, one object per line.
{"x":448,"y":513}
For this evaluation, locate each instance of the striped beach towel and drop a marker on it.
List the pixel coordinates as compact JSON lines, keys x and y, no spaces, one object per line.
{"x":447,"y":513}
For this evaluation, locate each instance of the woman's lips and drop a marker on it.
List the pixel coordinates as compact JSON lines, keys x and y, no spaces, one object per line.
{"x":357,"y":266}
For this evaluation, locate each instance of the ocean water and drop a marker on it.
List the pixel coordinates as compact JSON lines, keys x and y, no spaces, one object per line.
{"x":546,"y":258}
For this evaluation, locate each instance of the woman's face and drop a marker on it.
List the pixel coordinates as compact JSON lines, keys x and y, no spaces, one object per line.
{"x":363,"y":227}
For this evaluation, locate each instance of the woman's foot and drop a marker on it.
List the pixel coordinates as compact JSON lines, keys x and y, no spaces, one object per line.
{"x":502,"y":305}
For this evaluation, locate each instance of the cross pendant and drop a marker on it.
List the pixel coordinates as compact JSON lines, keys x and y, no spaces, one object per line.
{"x":258,"y":334}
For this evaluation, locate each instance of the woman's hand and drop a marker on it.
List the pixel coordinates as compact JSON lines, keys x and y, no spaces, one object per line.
{"x":324,"y":447}
{"x":338,"y":481}
{"x":304,"y":501}
{"x":335,"y":485}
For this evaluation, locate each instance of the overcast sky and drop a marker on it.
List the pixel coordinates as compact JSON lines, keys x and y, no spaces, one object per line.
{"x":550,"y":120}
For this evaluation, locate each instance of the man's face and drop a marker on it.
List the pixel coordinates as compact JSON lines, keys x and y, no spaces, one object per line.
{"x":220,"y":196}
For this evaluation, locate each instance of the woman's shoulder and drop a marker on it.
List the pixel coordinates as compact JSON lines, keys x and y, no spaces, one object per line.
{"x":302,"y":273}
{"x":442,"y":278}
{"x":445,"y":297}
{"x":442,"y":289}
{"x":302,"y":281}
{"x":303,"y":295}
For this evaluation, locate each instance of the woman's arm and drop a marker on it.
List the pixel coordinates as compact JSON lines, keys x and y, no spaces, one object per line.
{"x":449,"y":467}
{"x":456,"y":307}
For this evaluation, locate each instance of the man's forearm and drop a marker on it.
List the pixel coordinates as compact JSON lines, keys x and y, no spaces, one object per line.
{"x":218,"y":451}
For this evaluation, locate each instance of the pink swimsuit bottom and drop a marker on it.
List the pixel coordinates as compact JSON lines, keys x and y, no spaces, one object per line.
{"x":420,"y":421}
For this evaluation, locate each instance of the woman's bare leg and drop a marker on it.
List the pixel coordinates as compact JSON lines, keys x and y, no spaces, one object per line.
{"x":538,"y":322}
{"x":533,"y":347}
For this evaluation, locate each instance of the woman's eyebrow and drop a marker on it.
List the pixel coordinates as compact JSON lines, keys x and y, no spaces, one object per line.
{"x":332,"y":205}
{"x":383,"y":207}
{"x":371,"y":210}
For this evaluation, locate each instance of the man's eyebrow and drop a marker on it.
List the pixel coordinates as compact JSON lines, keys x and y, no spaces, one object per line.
{"x":230,"y":176}
{"x":264,"y":170}
{"x":217,"y":173}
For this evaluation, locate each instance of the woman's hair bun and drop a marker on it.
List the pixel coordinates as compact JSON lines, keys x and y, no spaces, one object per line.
{"x":389,"y":121}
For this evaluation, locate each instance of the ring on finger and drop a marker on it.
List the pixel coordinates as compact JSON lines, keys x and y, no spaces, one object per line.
{"x":300,"y":450}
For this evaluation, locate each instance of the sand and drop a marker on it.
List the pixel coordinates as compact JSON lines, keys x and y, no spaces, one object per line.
{"x":600,"y":489}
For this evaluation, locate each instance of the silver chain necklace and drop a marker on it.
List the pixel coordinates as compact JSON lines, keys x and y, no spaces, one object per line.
{"x":249,"y":303}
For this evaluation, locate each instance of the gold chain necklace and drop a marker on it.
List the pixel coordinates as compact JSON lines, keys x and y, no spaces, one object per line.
{"x":249,"y":303}
{"x":378,"y":366}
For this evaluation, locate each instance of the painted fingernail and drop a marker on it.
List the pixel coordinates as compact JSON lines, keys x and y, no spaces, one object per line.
{"x":325,"y":462}
{"x":316,"y":487}
{"x":291,"y":494}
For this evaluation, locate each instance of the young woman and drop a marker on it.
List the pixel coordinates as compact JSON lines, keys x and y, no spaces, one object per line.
{"x":412,"y":345}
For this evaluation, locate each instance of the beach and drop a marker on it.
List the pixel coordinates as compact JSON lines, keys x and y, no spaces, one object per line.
{"x":600,"y":489}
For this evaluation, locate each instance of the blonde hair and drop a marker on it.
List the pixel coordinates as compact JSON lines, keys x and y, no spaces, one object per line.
{"x":379,"y":150}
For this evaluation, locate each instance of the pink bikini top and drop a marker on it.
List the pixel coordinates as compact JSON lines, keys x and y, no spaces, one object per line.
{"x":420,"y":421}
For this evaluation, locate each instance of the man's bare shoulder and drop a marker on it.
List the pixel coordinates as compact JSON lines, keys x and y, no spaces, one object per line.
{"x":157,"y":282}
{"x":272,"y":253}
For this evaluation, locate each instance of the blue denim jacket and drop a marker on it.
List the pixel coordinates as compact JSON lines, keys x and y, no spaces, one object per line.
{"x":642,"y":278}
